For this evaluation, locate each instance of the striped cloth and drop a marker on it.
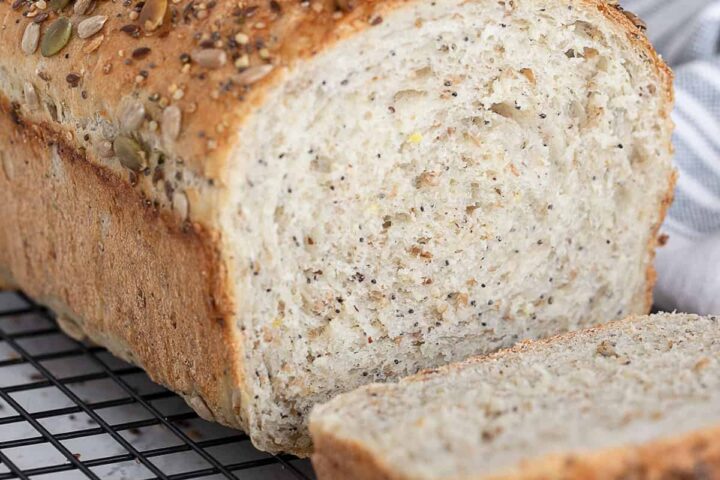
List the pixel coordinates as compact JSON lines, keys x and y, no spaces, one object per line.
{"x":687,"y":34}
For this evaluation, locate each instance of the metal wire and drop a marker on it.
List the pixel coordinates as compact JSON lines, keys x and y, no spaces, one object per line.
{"x":19,"y":325}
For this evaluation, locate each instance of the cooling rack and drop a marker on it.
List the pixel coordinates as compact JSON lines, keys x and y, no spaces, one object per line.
{"x":70,"y":410}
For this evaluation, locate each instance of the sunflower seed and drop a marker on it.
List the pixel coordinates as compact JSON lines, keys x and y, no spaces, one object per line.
{"x":130,"y":154}
{"x":90,"y":26}
{"x":56,"y":37}
{"x":210,"y":57}
{"x":81,"y":6}
{"x":253,"y":74}
{"x":171,"y":122}
{"x":152,"y":14}
{"x":30,"y":38}
{"x":31,"y":98}
{"x":132,"y":115}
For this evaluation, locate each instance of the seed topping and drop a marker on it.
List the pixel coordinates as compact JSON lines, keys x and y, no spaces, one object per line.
{"x":132,"y":115}
{"x":30,"y":38}
{"x":56,"y":37}
{"x":73,"y":79}
{"x":140,"y":53}
{"x":41,"y":17}
{"x":171,"y":123}
{"x":90,"y":26}
{"x":58,"y":5}
{"x":131,"y":29}
{"x":31,"y":98}
{"x":210,"y":57}
{"x":80,"y":7}
{"x":253,"y":74}
{"x":152,"y":14}
{"x":130,"y":154}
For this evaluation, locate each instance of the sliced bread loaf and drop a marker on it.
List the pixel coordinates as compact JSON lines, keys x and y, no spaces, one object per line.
{"x":267,"y":203}
{"x":635,"y":399}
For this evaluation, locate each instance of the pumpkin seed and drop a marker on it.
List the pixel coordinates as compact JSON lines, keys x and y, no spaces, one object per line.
{"x":152,"y":14}
{"x":90,"y":26}
{"x":58,"y":5}
{"x":56,"y":37}
{"x":30,"y":38}
{"x":130,"y":154}
{"x":171,"y":122}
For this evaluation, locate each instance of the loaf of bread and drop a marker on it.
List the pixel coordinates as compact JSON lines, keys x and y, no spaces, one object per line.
{"x":634,"y":399}
{"x":264,"y":203}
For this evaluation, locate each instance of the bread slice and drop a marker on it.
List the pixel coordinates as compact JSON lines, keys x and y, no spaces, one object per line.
{"x":638,"y":398}
{"x":265,"y":204}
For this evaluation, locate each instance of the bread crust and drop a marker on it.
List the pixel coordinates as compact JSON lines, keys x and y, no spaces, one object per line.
{"x":279,"y":33}
{"x":114,"y":267}
{"x":694,"y":455}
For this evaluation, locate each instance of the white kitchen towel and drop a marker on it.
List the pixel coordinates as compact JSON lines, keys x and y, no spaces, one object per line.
{"x":687,"y":34}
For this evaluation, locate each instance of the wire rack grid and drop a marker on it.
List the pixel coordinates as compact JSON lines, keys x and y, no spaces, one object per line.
{"x":70,"y":410}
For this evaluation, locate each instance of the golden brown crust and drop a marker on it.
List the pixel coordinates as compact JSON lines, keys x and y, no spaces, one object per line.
{"x":694,"y":455}
{"x":334,"y":459}
{"x":6,"y":284}
{"x":79,"y":240}
{"x":127,"y":60}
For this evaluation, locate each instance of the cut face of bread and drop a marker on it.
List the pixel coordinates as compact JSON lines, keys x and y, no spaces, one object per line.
{"x":552,"y":409}
{"x":462,"y":176}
